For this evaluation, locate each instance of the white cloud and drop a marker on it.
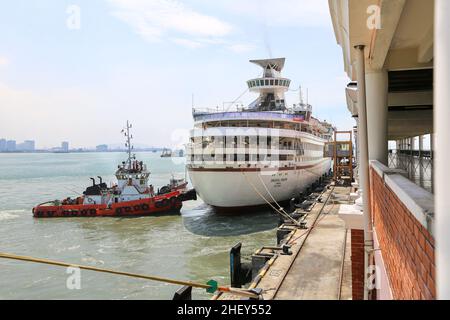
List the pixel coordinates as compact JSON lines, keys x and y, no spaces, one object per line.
{"x":29,"y":114}
{"x":192,"y":44}
{"x":157,"y":18}
{"x":281,"y":13}
{"x":241,"y":47}
{"x":3,"y":61}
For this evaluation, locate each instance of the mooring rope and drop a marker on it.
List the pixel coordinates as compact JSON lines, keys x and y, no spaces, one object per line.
{"x":270,"y":194}
{"x":270,"y":204}
{"x":242,"y":292}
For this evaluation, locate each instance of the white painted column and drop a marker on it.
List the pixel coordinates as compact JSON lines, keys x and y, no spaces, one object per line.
{"x":432,"y":139}
{"x":442,"y":131}
{"x":364,"y":160}
{"x":411,"y":158}
{"x":377,"y":112}
{"x":421,"y":171}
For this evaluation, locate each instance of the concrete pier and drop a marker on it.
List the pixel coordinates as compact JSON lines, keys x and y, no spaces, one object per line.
{"x":319,"y":266}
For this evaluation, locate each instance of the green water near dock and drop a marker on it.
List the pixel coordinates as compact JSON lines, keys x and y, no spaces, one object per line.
{"x":192,"y":246}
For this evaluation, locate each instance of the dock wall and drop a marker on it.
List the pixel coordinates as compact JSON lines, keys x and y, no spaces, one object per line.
{"x":357,"y":259}
{"x":402,"y":216}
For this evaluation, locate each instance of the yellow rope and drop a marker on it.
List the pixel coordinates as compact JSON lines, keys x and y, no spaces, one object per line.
{"x":268,"y":202}
{"x":270,"y":194}
{"x":241,"y":292}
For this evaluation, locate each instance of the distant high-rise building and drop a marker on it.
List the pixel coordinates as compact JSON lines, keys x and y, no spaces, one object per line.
{"x":27,"y":145}
{"x":101,"y":148}
{"x":2,"y":145}
{"x":11,"y":145}
{"x":65,"y":146}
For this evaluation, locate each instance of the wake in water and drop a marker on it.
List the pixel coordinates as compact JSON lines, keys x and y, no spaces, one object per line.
{"x":10,"y":214}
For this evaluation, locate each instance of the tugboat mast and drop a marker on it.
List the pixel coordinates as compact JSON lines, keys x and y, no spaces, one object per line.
{"x":128,"y":143}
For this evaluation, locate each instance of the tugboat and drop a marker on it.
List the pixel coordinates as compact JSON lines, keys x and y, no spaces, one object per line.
{"x":131,"y":196}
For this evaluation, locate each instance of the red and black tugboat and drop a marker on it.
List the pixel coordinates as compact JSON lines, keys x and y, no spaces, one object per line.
{"x":131,"y":196}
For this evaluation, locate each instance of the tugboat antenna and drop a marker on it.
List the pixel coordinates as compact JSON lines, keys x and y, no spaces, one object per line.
{"x":128,"y":143}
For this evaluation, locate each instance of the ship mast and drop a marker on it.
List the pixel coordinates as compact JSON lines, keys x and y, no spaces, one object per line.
{"x":128,"y":143}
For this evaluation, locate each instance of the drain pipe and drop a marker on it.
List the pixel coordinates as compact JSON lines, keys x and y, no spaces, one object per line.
{"x":364,"y":162}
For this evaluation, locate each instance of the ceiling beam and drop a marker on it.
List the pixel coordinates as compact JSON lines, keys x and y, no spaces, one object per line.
{"x":425,"y":52}
{"x":391,"y":11}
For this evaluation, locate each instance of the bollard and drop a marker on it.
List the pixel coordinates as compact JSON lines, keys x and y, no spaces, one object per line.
{"x":184,"y":293}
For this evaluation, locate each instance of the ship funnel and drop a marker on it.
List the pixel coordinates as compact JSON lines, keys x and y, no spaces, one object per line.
{"x":100,"y":178}
{"x":93,"y":181}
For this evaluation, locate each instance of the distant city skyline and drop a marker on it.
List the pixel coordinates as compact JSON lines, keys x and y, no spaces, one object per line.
{"x":11,"y":145}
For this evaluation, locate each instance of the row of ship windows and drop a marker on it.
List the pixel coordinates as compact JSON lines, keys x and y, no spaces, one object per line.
{"x":126,"y":177}
{"x":269,"y":82}
{"x":250,"y":157}
{"x":303,"y":127}
{"x":254,"y":141}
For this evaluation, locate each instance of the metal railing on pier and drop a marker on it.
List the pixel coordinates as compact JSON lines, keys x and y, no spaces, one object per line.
{"x":417,"y":164}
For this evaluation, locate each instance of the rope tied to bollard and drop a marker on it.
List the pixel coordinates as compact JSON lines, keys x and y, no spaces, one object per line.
{"x":211,"y":286}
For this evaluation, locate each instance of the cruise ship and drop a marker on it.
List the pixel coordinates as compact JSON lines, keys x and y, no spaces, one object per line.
{"x":264,"y":153}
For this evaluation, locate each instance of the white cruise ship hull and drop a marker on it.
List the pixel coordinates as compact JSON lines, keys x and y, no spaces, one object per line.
{"x":229,"y":188}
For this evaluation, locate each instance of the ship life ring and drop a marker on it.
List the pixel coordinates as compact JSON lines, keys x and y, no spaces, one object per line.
{"x":145,"y":207}
{"x":84,"y":212}
{"x":90,"y":200}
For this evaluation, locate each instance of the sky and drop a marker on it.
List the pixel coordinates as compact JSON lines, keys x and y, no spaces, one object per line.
{"x":77,"y":70}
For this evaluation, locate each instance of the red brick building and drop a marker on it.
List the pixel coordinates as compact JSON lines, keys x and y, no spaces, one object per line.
{"x":397,"y":57}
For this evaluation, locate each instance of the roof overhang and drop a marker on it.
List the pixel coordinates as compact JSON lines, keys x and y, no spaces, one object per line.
{"x":275,"y":63}
{"x":402,"y":40}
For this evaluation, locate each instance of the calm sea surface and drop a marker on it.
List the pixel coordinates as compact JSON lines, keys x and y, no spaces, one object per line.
{"x":191,"y":246}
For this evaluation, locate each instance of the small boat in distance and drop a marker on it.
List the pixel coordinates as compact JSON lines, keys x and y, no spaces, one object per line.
{"x":131,"y":196}
{"x":166,"y":153}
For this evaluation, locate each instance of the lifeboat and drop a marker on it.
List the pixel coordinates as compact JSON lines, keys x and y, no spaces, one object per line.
{"x":131,"y":196}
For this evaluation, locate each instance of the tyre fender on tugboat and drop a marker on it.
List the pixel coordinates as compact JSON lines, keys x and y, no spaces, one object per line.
{"x":175,"y":202}
{"x":162,"y":203}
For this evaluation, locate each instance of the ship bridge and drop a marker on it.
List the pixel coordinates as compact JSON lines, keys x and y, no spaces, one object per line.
{"x":271,"y":86}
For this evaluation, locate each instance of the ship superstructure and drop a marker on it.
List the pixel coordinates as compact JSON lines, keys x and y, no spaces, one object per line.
{"x":265,"y":152}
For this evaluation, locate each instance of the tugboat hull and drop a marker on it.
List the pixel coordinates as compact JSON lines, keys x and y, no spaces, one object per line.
{"x":167,"y":203}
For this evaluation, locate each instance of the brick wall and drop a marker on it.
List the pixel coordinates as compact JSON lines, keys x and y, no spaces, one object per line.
{"x":357,"y":258}
{"x":406,"y":246}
